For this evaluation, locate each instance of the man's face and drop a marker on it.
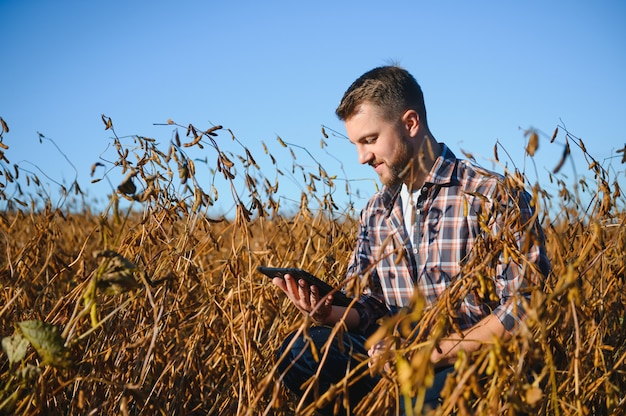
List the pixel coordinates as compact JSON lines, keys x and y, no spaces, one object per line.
{"x":383,"y":144}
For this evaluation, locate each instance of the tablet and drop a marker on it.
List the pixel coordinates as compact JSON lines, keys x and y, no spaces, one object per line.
{"x":339,"y":298}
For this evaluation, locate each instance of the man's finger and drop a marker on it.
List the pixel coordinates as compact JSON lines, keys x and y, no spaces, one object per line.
{"x":303,"y":289}
{"x":291,"y":283}
{"x":280,"y":283}
{"x":315,"y":296}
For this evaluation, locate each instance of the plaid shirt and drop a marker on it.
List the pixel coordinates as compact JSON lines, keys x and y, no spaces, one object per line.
{"x":452,"y":199}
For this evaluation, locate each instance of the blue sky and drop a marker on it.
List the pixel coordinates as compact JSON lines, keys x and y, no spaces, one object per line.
{"x":489,"y":70}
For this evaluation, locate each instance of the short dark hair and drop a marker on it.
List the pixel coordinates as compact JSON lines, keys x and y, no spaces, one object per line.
{"x":391,"y":88}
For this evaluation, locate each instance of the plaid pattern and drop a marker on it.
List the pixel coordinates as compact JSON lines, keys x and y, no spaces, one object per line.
{"x":455,"y":194}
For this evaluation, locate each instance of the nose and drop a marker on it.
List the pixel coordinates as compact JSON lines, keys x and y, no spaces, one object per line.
{"x":365,"y":156}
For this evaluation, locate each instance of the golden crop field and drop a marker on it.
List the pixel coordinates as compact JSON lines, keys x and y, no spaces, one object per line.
{"x":155,"y":307}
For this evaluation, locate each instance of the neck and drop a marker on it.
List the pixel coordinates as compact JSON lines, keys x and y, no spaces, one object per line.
{"x":424,"y":157}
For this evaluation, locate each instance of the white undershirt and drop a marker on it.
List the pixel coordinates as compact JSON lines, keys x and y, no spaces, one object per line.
{"x":409,"y":201}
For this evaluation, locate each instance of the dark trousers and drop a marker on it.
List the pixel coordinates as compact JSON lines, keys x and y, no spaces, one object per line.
{"x":346,"y":353}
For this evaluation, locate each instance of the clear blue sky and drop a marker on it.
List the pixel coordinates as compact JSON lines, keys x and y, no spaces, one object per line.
{"x":489,"y":70}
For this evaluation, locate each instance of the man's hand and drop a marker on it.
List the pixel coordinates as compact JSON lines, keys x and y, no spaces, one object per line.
{"x":381,"y":356}
{"x":472,"y":339}
{"x":306,"y":298}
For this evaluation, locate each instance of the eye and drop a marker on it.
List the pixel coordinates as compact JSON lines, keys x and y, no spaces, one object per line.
{"x":370,"y":140}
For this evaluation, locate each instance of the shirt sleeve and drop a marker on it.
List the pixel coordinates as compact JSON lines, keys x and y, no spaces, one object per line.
{"x":370,"y":310}
{"x":370,"y":305}
{"x":523,"y":261}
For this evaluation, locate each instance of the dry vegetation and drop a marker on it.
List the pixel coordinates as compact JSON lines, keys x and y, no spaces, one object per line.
{"x":157,"y":308}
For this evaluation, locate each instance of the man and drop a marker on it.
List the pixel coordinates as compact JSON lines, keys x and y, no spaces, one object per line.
{"x":414,"y":237}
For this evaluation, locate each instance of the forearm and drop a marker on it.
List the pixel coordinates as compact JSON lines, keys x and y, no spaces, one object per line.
{"x":337,"y":313}
{"x":471,"y":340}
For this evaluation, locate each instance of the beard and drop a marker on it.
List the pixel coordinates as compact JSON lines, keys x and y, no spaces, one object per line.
{"x":401,"y":164}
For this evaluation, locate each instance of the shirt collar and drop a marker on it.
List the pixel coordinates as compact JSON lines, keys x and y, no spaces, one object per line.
{"x":443,"y":170}
{"x":442,"y":173}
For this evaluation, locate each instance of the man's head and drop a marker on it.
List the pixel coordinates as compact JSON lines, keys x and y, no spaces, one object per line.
{"x":385,"y":118}
{"x":390,"y":88}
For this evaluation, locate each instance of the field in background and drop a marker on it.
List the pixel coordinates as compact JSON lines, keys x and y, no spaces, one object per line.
{"x":154,"y":306}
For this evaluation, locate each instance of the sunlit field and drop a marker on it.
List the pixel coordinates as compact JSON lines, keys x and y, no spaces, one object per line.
{"x":153,"y":305}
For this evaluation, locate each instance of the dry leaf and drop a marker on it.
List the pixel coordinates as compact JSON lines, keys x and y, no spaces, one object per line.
{"x":533,"y":144}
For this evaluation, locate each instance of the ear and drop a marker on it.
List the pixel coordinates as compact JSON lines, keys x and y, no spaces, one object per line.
{"x":411,"y":122}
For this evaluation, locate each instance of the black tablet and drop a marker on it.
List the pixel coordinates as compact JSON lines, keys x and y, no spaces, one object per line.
{"x":339,"y":298}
